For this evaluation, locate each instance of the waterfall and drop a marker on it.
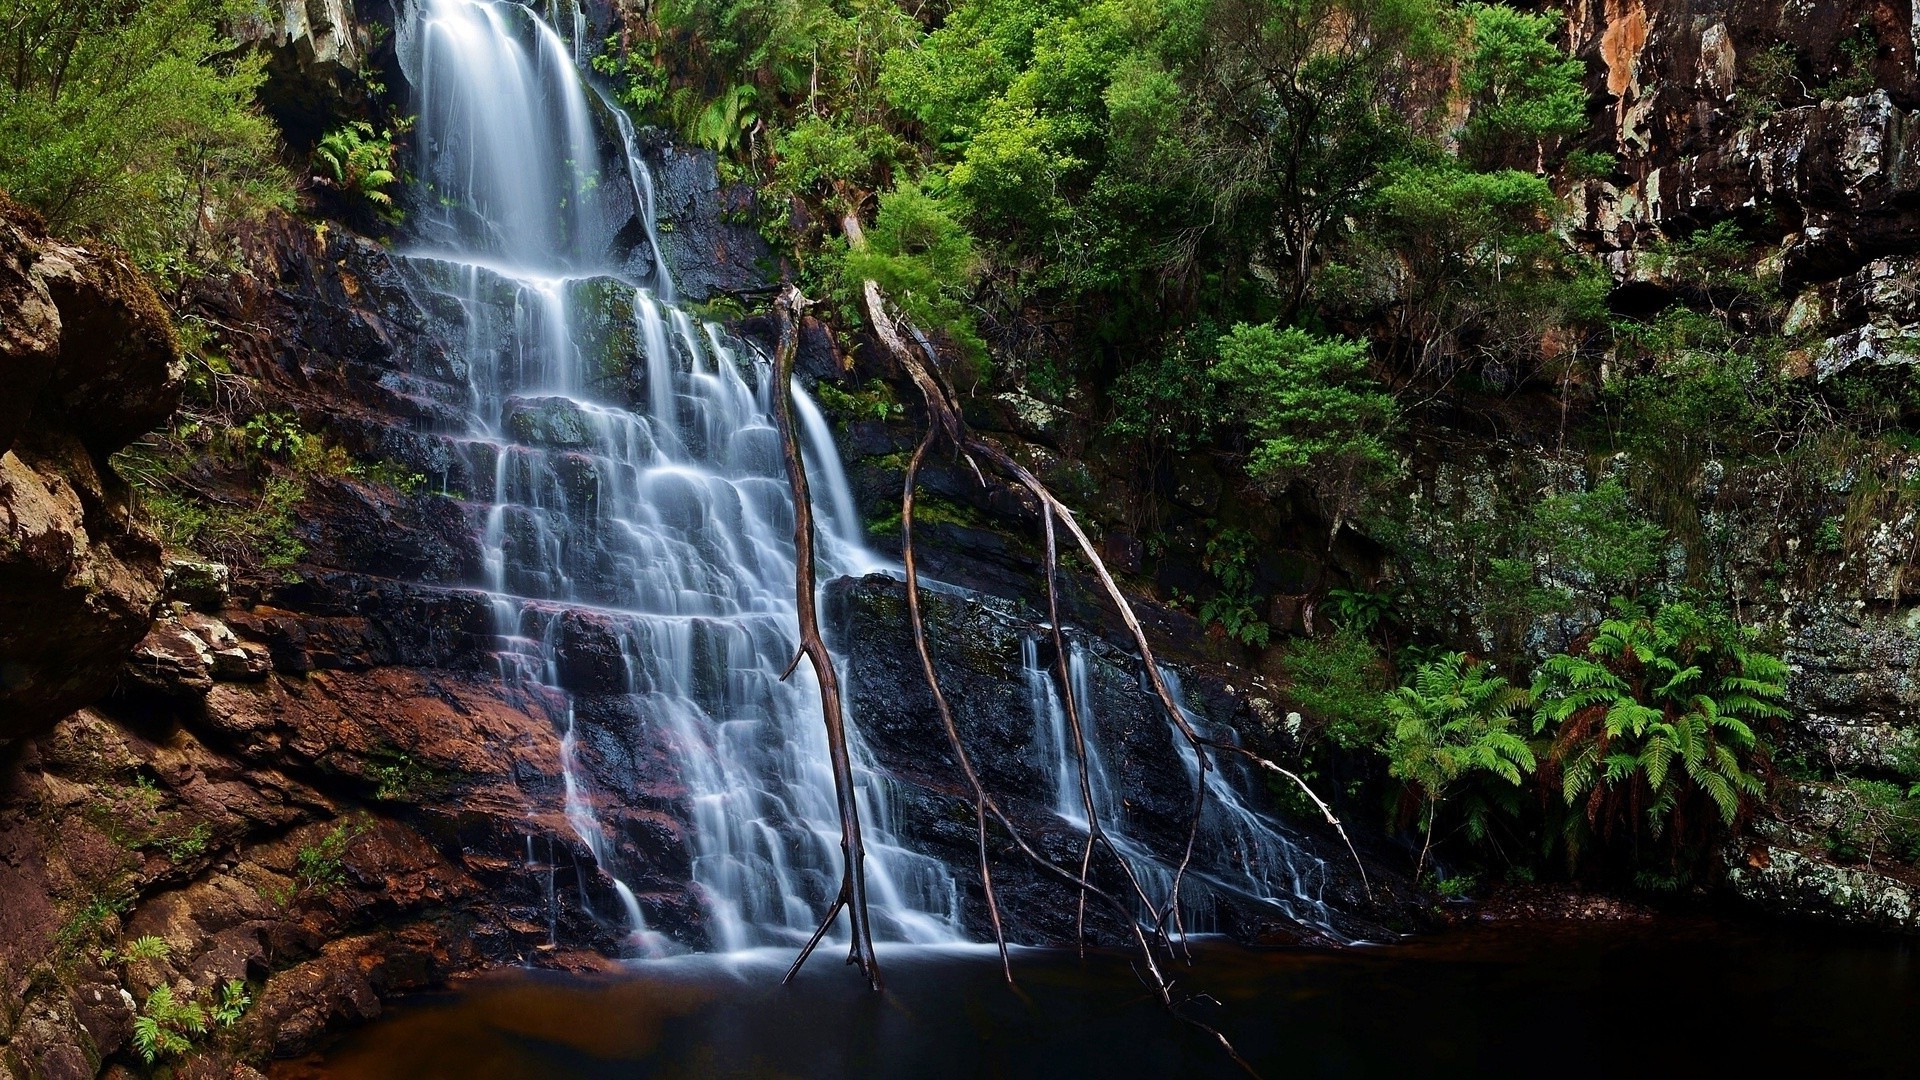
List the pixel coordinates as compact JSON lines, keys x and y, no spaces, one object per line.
{"x":637,"y":490}
{"x":1238,"y":850}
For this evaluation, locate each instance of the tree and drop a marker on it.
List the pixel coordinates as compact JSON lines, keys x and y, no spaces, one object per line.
{"x":1654,"y":726}
{"x":1312,"y":411}
{"x":925,"y":260}
{"x":1523,"y":91}
{"x":1296,"y":108}
{"x":134,"y":121}
{"x":1454,"y":724}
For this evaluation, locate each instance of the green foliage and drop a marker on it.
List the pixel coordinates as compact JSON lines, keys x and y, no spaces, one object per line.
{"x":1592,"y":544}
{"x":1234,"y":607}
{"x":1655,"y":726}
{"x":872,"y":402}
{"x":400,"y":777}
{"x":1297,"y":108}
{"x":1878,"y":819}
{"x":181,"y":847}
{"x":136,"y":122}
{"x":1340,"y":682}
{"x":1311,"y":409}
{"x":167,"y":1026}
{"x":1361,"y":610}
{"x":1522,"y":89}
{"x":1170,"y":399}
{"x":360,"y":161}
{"x":637,"y":70}
{"x":1455,"y":724}
{"x":924,"y":260}
{"x":278,"y":460}
{"x":320,"y":866}
{"x":1462,"y":265}
{"x":1590,"y":165}
{"x":85,"y":921}
{"x":1853,"y":76}
{"x":145,"y":947}
{"x":1764,"y":82}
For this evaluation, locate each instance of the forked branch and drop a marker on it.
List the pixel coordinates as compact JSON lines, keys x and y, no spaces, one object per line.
{"x":853,"y":880}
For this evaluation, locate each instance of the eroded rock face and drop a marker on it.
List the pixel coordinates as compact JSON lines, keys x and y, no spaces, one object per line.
{"x":88,"y":362}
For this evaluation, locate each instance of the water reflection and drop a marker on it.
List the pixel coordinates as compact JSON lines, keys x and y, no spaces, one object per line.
{"x":1665,"y":999}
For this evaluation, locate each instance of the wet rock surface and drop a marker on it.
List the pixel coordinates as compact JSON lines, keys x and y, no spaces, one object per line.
{"x":977,"y":644}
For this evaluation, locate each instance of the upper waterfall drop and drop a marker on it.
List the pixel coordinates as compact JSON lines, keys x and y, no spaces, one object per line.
{"x":637,"y":493}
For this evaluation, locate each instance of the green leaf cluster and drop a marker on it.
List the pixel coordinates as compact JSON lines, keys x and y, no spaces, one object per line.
{"x":1311,"y":411}
{"x":167,"y":1026}
{"x":360,"y":160}
{"x":1456,"y":725}
{"x":136,"y":122}
{"x":1654,"y":725}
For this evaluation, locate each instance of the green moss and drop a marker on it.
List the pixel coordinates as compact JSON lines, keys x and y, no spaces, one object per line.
{"x":929,"y":510}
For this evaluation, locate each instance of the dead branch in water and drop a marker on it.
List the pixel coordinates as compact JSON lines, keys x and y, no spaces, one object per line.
{"x":944,"y":422}
{"x":853,"y":879}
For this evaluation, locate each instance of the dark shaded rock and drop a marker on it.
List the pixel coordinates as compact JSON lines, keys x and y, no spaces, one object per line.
{"x":707,"y":242}
{"x":587,"y":651}
{"x":88,"y":362}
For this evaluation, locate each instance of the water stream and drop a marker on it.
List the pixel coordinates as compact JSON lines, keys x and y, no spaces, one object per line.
{"x":1237,"y":850}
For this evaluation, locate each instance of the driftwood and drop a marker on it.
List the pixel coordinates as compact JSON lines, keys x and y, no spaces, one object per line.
{"x":853,"y":879}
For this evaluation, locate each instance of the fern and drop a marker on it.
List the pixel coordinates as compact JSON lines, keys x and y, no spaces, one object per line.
{"x":1657,"y":716}
{"x":1454,"y":725}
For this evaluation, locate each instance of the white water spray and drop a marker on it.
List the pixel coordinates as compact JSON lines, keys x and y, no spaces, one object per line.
{"x":637,"y":484}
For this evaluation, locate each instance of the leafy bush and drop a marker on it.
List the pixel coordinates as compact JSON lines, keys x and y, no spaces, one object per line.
{"x":1523,"y":90}
{"x":359,"y":161}
{"x":924,"y":260}
{"x":1455,"y":724}
{"x":1655,"y":727}
{"x":1340,"y":682}
{"x":1312,"y":412}
{"x":1234,"y":606}
{"x":136,"y":122}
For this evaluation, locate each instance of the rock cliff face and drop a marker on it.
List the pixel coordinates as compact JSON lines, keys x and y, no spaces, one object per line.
{"x":89,"y":363}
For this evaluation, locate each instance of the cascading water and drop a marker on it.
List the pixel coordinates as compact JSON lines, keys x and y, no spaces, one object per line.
{"x":1237,"y":849}
{"x":636,"y":480}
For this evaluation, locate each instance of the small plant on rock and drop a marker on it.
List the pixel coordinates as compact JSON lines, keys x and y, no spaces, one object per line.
{"x":167,"y":1025}
{"x":359,"y":160}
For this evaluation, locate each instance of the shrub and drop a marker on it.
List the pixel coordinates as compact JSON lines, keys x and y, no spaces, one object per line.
{"x":1311,"y":410}
{"x":136,"y":122}
{"x":1341,"y":682}
{"x":1234,"y":606}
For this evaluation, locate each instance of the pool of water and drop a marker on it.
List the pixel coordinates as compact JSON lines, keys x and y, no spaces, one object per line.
{"x":1666,"y":998}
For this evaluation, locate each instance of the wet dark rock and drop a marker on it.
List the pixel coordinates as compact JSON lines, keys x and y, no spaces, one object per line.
{"x":704,"y":230}
{"x":587,"y":651}
{"x":976,"y":643}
